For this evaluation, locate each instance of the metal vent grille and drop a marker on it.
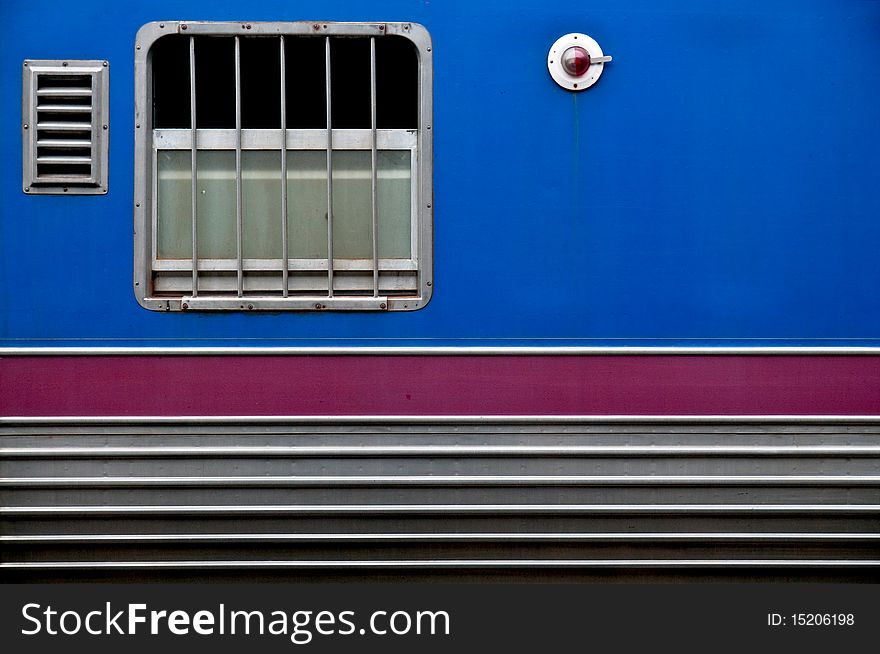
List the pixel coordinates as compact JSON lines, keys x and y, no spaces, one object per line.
{"x":64,"y":112}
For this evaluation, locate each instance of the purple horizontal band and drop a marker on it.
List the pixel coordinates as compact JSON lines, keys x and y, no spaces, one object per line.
{"x":439,"y":385}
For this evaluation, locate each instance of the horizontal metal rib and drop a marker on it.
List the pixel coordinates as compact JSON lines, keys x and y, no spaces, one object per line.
{"x":64,"y":160}
{"x":404,"y":451}
{"x":64,"y":143}
{"x":394,"y":420}
{"x":66,"y":108}
{"x":66,"y":126}
{"x":453,"y":350}
{"x":449,"y":564}
{"x":448,"y":509}
{"x":86,"y":539}
{"x":331,"y":481}
{"x":67,"y":92}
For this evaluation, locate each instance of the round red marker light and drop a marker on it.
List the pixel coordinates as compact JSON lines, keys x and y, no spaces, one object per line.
{"x":575,"y":61}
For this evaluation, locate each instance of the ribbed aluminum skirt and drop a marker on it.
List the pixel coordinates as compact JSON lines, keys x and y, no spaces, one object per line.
{"x":440,"y":494}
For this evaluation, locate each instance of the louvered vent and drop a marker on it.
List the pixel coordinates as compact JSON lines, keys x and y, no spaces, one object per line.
{"x":65,"y":126}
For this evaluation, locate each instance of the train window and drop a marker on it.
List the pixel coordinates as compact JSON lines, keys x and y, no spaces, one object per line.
{"x":283,"y":166}
{"x":64,"y":126}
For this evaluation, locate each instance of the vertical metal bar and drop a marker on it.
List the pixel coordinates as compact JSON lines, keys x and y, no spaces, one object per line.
{"x":195,"y":191}
{"x":374,"y":167}
{"x":284,"y":247}
{"x":329,"y":174}
{"x":240,"y":266}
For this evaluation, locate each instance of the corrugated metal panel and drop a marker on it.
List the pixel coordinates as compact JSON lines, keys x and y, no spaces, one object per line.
{"x":440,"y":493}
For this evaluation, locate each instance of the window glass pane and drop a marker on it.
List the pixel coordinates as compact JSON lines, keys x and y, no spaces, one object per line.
{"x":174,"y":238}
{"x":261,"y":204}
{"x":395,"y":194}
{"x":216,"y":202}
{"x":352,"y":213}
{"x":307,"y":204}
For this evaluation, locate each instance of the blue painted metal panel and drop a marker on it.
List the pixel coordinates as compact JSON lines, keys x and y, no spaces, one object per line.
{"x":719,"y":185}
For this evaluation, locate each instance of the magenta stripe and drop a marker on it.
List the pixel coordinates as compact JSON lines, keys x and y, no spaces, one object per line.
{"x":440,"y":385}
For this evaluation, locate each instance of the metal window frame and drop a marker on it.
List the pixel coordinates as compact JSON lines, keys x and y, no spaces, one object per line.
{"x":419,"y":143}
{"x":99,"y":126}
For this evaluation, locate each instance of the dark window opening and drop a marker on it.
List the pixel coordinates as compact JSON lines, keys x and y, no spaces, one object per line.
{"x":215,"y":82}
{"x":260,"y":85}
{"x":350,"y":82}
{"x":306,"y":90}
{"x":171,"y":82}
{"x":397,"y":81}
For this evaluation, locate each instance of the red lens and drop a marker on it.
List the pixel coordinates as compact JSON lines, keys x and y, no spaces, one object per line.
{"x":576,"y":61}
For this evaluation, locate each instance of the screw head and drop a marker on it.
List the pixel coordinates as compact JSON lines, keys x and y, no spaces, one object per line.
{"x":382,"y":306}
{"x":27,"y":189}
{"x":64,"y":63}
{"x":250,"y":306}
{"x":26,"y":125}
{"x":183,"y":27}
{"x":105,"y":64}
{"x":429,"y":283}
{"x":184,"y":306}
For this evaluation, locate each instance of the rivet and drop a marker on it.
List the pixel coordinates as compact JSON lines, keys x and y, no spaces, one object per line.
{"x":105,"y":127}
{"x":316,"y":26}
{"x":27,"y":189}
{"x":184,"y":306}
{"x":183,"y":27}
{"x":318,"y":306}
{"x":429,"y":127}
{"x":105,"y":64}
{"x":249,"y":26}
{"x":429,"y":49}
{"x":428,"y":283}
{"x":382,"y":306}
{"x":26,"y":125}
{"x":64,"y":63}
{"x":381,"y":28}
{"x":137,"y":204}
{"x":25,"y":63}
{"x":161,"y":24}
{"x":138,"y":126}
{"x":65,"y":189}
{"x":429,"y":205}
{"x":406,"y":27}
{"x":250,"y":306}
{"x":137,"y":283}
{"x":137,"y":47}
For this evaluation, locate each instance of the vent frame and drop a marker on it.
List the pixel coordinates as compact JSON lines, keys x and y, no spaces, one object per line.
{"x":65,"y":145}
